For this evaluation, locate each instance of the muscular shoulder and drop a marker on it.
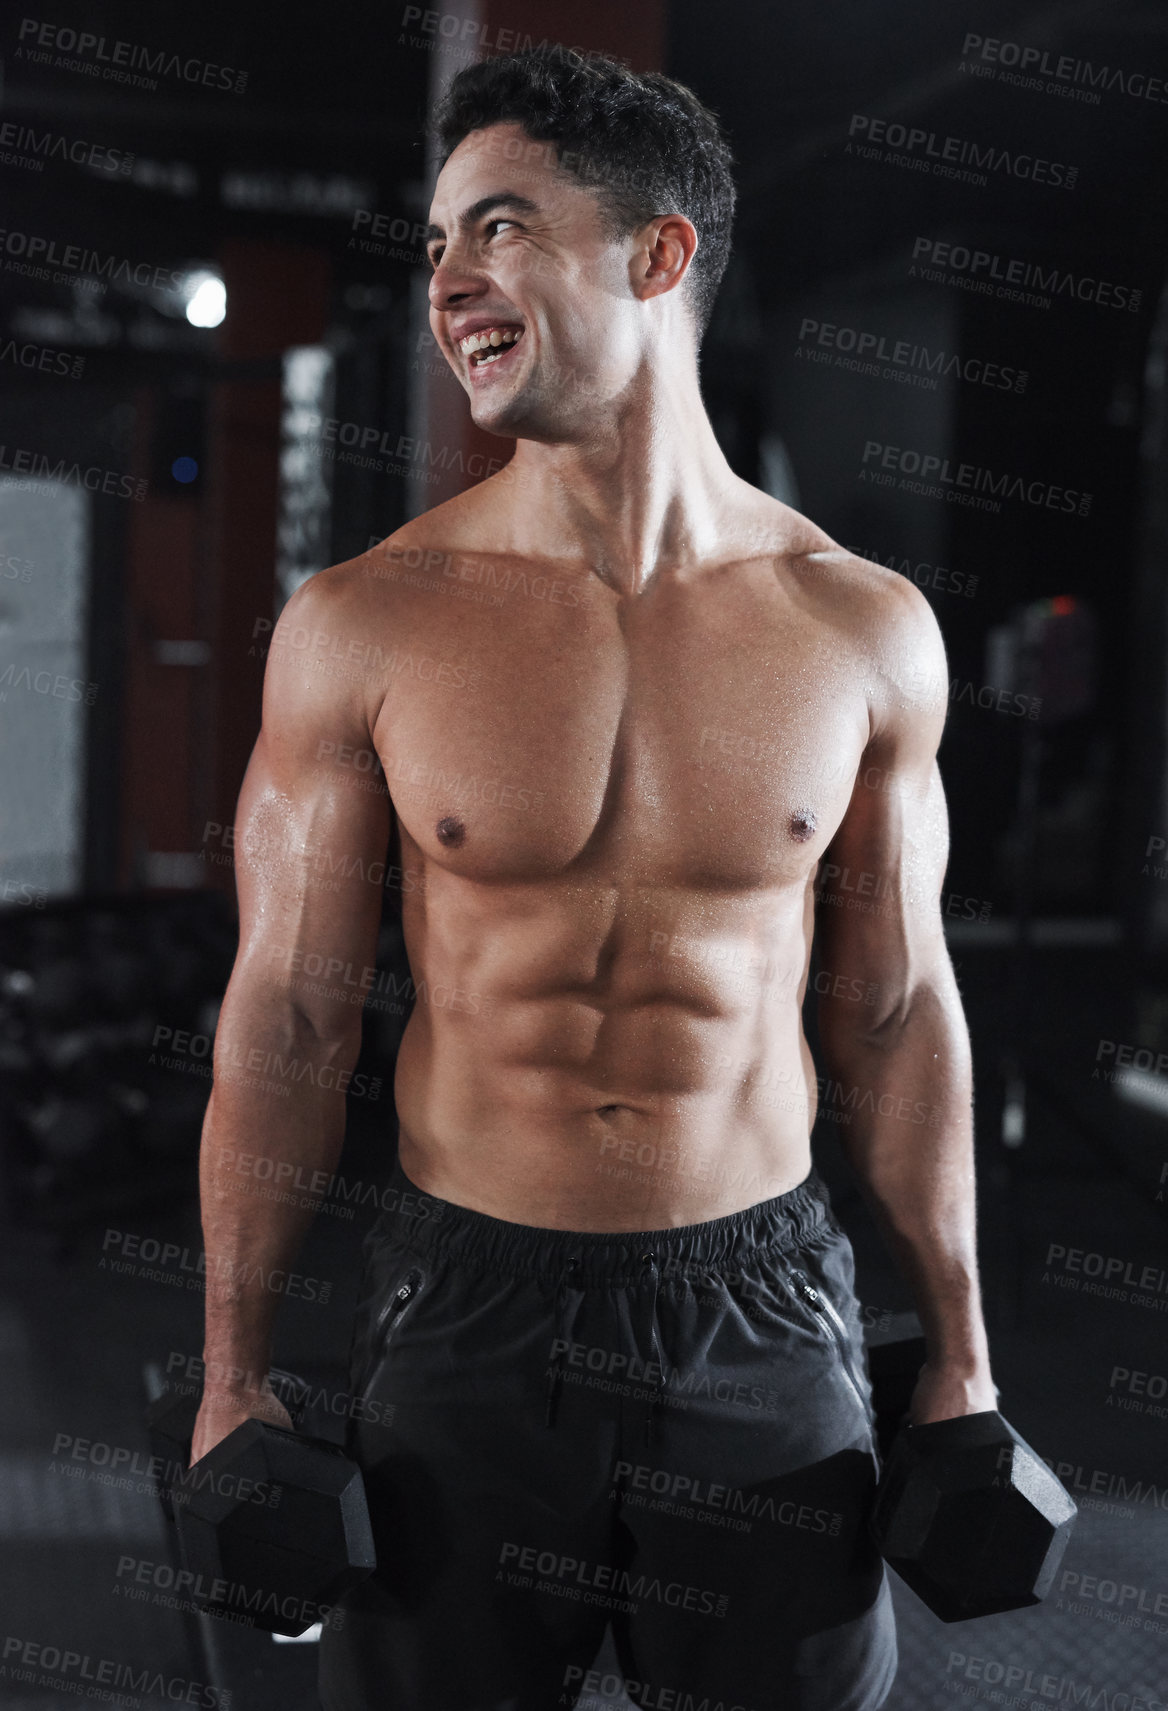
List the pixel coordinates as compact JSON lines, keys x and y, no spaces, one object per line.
{"x":371,"y":593}
{"x":331,"y":593}
{"x":323,"y":656}
{"x":458,"y":524}
{"x":363,"y":587}
{"x":882,"y":618}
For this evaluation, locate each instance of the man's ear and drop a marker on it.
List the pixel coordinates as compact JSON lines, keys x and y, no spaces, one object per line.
{"x":665,"y":247}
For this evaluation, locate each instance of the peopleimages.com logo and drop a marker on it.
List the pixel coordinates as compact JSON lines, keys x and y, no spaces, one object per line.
{"x":931,"y":473}
{"x":1082,"y":77}
{"x":952,"y":157}
{"x":1014,"y":277}
{"x":45,"y":43}
{"x":863,"y":351}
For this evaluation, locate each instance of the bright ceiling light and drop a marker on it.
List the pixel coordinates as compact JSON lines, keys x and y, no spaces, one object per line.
{"x":206,"y":299}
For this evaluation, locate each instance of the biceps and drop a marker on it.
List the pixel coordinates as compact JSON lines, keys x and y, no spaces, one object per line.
{"x":311,"y":848}
{"x":878,"y":888}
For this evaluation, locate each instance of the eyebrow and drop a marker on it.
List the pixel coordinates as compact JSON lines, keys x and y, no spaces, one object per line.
{"x":484,"y":205}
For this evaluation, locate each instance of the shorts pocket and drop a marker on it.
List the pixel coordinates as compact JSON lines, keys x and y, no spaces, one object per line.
{"x":391,"y":1293}
{"x":829,"y":1297}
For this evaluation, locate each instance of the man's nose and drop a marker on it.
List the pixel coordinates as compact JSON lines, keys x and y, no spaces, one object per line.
{"x":453,"y":282}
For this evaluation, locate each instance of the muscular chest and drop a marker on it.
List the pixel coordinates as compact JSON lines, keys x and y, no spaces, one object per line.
{"x":690,"y":737}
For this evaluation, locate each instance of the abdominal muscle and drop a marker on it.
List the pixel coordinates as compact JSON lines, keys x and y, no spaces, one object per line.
{"x":604,"y":1061}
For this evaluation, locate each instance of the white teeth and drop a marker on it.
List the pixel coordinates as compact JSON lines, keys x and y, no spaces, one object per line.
{"x":490,"y":337}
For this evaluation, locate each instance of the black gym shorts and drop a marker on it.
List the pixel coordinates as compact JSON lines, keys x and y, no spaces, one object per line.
{"x":668,"y":1431}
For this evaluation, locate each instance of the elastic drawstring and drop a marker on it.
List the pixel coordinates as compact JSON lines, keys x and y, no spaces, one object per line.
{"x":651,"y":1340}
{"x":559,"y":1335}
{"x":648,"y":1339}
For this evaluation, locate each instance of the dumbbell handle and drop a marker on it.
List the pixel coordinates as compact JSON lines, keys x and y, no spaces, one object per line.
{"x":238,"y":1412}
{"x":171,"y":1418}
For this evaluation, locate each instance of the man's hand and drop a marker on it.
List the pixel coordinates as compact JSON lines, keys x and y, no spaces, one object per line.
{"x":943,"y":1392}
{"x":222,"y":1410}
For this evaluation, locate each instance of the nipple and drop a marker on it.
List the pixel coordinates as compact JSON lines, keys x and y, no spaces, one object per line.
{"x":450,"y":831}
{"x":803,"y":824}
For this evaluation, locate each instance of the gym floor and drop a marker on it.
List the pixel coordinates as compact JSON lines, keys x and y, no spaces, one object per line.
{"x":78,"y":1339}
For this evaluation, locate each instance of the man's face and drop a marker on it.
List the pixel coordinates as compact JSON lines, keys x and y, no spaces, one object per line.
{"x":518,"y":246}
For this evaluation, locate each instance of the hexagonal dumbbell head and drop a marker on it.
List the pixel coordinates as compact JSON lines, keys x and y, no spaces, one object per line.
{"x":275,"y":1528}
{"x":971,"y":1517}
{"x":170,"y":1424}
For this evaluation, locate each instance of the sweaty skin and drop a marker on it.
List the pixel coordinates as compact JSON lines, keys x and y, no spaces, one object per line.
{"x":628,"y":734}
{"x":616,"y":948}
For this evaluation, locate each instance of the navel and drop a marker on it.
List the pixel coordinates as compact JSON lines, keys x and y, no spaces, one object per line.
{"x":803,"y":824}
{"x":451,"y":831}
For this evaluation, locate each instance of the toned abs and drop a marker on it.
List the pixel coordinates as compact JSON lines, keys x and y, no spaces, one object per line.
{"x":610,"y":813}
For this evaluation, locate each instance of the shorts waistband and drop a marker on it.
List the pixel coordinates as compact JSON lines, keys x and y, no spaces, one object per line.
{"x":442,"y":1228}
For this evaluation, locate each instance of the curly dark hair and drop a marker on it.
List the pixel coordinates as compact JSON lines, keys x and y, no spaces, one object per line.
{"x":645,"y":144}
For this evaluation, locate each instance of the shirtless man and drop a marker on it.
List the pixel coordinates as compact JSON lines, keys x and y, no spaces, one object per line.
{"x":641,"y":731}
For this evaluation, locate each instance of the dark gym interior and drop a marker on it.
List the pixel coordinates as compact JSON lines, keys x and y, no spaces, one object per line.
{"x":218,"y":303}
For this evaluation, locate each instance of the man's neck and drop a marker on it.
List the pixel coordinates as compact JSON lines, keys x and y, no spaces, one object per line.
{"x":649,"y":489}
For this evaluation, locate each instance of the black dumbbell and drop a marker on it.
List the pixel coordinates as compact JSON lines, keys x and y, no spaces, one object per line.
{"x":971,"y":1517}
{"x":275,"y":1529}
{"x":966,"y":1512}
{"x":170,"y":1423}
{"x":273,"y":1526}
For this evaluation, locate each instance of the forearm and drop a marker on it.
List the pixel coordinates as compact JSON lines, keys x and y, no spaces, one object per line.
{"x":910,"y":1142}
{"x":264,"y":1125}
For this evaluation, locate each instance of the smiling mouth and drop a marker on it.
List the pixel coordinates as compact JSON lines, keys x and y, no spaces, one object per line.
{"x":492,"y":345}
